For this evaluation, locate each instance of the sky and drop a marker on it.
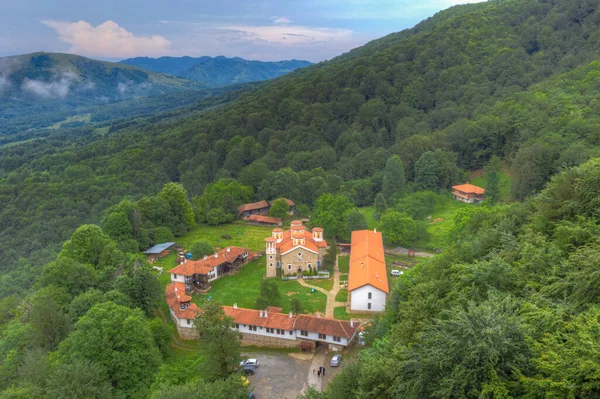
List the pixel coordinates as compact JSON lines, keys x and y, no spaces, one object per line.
{"x":266,"y":30}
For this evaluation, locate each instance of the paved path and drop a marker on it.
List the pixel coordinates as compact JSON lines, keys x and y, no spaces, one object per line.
{"x":318,"y":360}
{"x":331,"y":303}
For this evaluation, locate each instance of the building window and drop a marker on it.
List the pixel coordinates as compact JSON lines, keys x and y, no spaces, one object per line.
{"x":310,"y":265}
{"x":304,"y":333}
{"x":289,"y":267}
{"x":189,"y":321}
{"x":369,"y":305}
{"x":337,"y":339}
{"x":271,"y":257}
{"x":175,"y":276}
{"x":270,"y":264}
{"x":291,"y":333}
{"x":370,"y":295}
{"x":269,"y":330}
{"x":322,"y":336}
{"x":237,"y":326}
{"x":252,"y":328}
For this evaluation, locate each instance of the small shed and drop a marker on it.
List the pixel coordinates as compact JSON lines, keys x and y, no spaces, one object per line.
{"x":158,"y":251}
{"x":344,"y":248}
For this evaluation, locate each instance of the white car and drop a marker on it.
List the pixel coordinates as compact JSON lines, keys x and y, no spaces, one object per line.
{"x":397,"y":272}
{"x":249,"y":363}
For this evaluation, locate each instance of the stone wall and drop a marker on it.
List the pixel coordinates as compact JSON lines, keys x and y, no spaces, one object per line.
{"x":267,"y":342}
{"x":292,"y":258}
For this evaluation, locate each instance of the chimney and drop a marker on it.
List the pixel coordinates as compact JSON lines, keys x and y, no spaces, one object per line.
{"x":261,"y":314}
{"x":265,"y":314}
{"x":318,"y":315}
{"x":235,"y":305}
{"x":175,"y":289}
{"x":362,"y":265}
{"x":375,"y":230}
{"x":216,"y":254}
{"x":290,"y":315}
{"x":228,"y":249}
{"x":351,"y":323}
{"x":205,"y":257}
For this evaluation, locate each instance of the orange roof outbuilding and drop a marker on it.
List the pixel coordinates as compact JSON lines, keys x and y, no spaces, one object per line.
{"x":208,"y":263}
{"x":469,"y":189}
{"x":367,"y":261}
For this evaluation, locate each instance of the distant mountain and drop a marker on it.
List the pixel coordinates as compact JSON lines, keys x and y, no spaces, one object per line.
{"x":218,"y":71}
{"x":70,"y":78}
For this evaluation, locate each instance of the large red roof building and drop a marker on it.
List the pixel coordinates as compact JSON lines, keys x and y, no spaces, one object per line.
{"x":468,"y":193}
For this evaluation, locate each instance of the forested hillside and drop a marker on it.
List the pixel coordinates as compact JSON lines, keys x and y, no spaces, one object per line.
{"x":218,"y":71}
{"x":471,"y":82}
{"x":511,"y":310}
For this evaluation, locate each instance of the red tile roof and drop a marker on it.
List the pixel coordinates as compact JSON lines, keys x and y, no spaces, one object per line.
{"x":322,"y":325}
{"x":207,"y":264}
{"x":253,"y":206}
{"x":264,"y":219}
{"x":298,"y":231}
{"x":469,"y":189}
{"x":174,"y":295}
{"x":367,"y":261}
{"x":273,"y":319}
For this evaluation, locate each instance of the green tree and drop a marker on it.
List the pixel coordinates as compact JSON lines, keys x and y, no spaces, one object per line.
{"x":218,"y":216}
{"x":356,"y":221}
{"x":425,"y":172}
{"x":269,"y":294}
{"x":50,"y":324}
{"x":393,"y":178}
{"x":229,"y":388}
{"x":296,"y":306}
{"x":330,"y":213}
{"x":398,"y":227}
{"x":279,"y":209}
{"x":380,"y":205}
{"x":220,"y":344}
{"x":118,"y":226}
{"x":531,"y":169}
{"x":200,"y":249}
{"x":117,"y":339}
{"x":181,"y":209}
{"x":84,"y":302}
{"x":229,"y":206}
{"x":162,"y":234}
{"x":79,"y":379}
{"x":492,"y":188}
{"x":86,"y":244}
{"x":161,"y":336}
{"x":69,"y":274}
{"x":142,"y":287}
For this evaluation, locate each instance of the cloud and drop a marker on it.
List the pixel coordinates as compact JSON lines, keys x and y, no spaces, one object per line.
{"x":281,"y":35}
{"x":281,"y":20}
{"x":58,"y":87}
{"x":108,"y":39}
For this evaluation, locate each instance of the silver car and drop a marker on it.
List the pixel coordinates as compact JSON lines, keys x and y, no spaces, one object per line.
{"x":335,"y":361}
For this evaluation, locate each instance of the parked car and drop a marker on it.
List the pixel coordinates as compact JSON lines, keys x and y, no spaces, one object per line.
{"x":335,"y":361}
{"x":397,"y":272}
{"x":361,"y":338}
{"x":249,"y":362}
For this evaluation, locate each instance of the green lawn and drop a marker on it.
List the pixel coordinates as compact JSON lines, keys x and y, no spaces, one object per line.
{"x":343,"y":263}
{"x":342,"y":296}
{"x":344,"y":278}
{"x":243,"y":288}
{"x":326,"y":283}
{"x":369,"y":213}
{"x":439,"y":232}
{"x":340,"y":313}
{"x":504,"y":184}
{"x":243,"y":235}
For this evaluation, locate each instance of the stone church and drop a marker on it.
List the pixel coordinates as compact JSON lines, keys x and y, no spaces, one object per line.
{"x":294,"y":250}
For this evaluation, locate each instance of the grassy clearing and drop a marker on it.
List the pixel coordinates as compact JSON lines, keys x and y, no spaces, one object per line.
{"x":439,"y":233}
{"x":369,"y":213}
{"x":504,"y":183}
{"x":343,"y":263}
{"x":242,"y":234}
{"x":342,"y":296}
{"x":326,"y":284}
{"x":344,"y":278}
{"x":244,"y":287}
{"x":340,"y":313}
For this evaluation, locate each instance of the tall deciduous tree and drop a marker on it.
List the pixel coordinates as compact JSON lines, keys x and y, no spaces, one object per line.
{"x":393,"y":178}
{"x":200,"y":249}
{"x":398,"y":227}
{"x":220,"y":343}
{"x":86,"y":244}
{"x":356,"y":221}
{"x":181,"y":209}
{"x":330,"y":213}
{"x":142,"y":287}
{"x":119,"y":341}
{"x":492,"y":188}
{"x":425,"y":172}
{"x":269,"y":294}
{"x":79,"y":379}
{"x":279,"y":209}
{"x":50,"y":324}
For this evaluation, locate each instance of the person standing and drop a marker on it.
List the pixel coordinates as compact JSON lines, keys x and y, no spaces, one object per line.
{"x":313,"y":371}
{"x":323,"y":371}
{"x":319,"y":372}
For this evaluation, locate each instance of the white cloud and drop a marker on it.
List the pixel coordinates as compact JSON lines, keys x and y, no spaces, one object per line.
{"x":281,"y":20}
{"x":108,"y":39}
{"x":58,"y":87}
{"x":282,"y":35}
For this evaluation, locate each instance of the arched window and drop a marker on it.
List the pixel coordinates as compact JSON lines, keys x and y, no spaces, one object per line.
{"x":289,"y":267}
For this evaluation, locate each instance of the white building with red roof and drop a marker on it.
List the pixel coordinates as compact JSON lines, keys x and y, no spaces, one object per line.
{"x":200,"y":273}
{"x":295,"y":250}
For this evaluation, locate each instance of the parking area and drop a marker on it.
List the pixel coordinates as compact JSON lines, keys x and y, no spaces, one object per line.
{"x":280,"y":375}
